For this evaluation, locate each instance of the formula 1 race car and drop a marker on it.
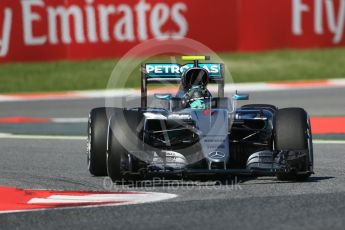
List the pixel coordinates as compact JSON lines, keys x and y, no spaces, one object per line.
{"x":196,"y":133}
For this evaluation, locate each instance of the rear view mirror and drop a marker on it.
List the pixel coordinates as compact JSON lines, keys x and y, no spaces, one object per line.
{"x":163,"y":96}
{"x":240,"y":97}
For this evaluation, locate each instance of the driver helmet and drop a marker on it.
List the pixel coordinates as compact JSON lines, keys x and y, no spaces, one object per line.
{"x":196,"y":97}
{"x":195,"y":77}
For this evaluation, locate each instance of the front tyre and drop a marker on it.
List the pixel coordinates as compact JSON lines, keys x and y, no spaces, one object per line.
{"x":123,"y":132}
{"x":293,"y":133}
{"x":97,"y":140}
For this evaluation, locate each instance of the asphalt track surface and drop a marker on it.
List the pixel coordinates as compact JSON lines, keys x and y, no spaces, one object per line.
{"x":318,"y":102}
{"x":246,"y":203}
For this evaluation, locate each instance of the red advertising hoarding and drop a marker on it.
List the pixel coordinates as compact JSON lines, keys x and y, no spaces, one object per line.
{"x":39,"y":30}
{"x":272,"y":24}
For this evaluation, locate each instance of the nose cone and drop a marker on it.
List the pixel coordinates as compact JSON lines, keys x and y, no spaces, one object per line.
{"x":213,"y":127}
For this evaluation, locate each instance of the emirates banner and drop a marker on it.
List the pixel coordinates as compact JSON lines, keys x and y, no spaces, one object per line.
{"x":40,"y":30}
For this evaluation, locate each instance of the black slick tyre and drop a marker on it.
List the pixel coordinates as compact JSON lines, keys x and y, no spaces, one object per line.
{"x":293,"y":133}
{"x":97,"y":140}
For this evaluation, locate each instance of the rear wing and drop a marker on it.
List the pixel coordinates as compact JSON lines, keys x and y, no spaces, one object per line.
{"x":162,"y":72}
{"x":172,"y":73}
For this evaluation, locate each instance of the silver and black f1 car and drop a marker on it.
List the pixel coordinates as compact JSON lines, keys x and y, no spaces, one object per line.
{"x":197,"y":133}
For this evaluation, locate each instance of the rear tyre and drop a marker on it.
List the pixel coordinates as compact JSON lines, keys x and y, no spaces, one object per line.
{"x":293,"y":132}
{"x":97,"y":140}
{"x":122,"y":138}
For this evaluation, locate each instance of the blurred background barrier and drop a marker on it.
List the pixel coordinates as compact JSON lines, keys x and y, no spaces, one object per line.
{"x":40,"y":30}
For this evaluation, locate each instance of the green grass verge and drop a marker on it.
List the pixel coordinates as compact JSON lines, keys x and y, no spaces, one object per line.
{"x":282,"y":65}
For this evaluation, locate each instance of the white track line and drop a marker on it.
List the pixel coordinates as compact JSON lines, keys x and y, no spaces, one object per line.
{"x":145,"y":197}
{"x":59,"y":137}
{"x":69,"y":120}
{"x":40,"y":137}
{"x":97,"y":198}
{"x":328,"y":141}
